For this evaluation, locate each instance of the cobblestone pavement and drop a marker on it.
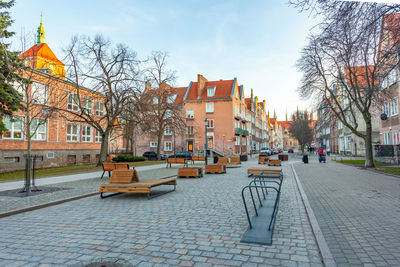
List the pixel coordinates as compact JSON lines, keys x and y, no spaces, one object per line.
{"x":75,"y":188}
{"x":200,"y":224}
{"x":357,"y":210}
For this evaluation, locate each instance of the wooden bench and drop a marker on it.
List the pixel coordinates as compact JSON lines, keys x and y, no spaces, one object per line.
{"x":218,"y":168}
{"x":127,"y":181}
{"x":235,"y":161}
{"x":264,"y":172}
{"x":190,"y":172}
{"x":110,"y":166}
{"x":274,"y":162}
{"x":263,"y":159}
{"x":198,"y":158}
{"x":171,"y":161}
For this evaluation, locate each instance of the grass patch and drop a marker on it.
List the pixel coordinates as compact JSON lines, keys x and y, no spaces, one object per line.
{"x":360,"y":162}
{"x":390,"y":170}
{"x":67,"y":170}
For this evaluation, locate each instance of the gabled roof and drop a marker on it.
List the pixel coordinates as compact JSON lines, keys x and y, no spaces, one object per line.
{"x":285,"y":124}
{"x":359,"y":74}
{"x":180,"y":91}
{"x":223,"y":90}
{"x":247,"y":100}
{"x":42,"y":51}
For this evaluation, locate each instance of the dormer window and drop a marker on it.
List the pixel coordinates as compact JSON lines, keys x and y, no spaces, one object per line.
{"x":172,"y":98}
{"x":211,"y":91}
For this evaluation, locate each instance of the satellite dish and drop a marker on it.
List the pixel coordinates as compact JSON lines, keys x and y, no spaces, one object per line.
{"x":384,"y":116}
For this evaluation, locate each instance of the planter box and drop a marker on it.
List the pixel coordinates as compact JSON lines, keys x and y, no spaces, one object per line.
{"x":190,"y":172}
{"x":283,"y":157}
{"x":274,"y":162}
{"x":263,"y":160}
{"x":219,"y":168}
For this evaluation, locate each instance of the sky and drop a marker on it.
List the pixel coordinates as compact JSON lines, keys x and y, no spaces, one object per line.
{"x":258,"y":42}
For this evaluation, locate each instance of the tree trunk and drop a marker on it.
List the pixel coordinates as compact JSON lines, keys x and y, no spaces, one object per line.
{"x":369,"y":159}
{"x":159,"y":137}
{"x":103,"y":149}
{"x":28,"y":151}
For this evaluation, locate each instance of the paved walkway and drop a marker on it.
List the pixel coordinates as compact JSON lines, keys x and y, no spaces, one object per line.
{"x":200,"y":224}
{"x":357,"y":210}
{"x":68,"y":178}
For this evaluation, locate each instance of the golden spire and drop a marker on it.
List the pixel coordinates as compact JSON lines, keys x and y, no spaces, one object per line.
{"x":40,"y":32}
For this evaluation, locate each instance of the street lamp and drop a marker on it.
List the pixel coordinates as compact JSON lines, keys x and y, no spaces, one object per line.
{"x":205,"y":144}
{"x":223,"y":145}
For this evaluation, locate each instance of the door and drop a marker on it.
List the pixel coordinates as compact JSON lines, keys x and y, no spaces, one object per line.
{"x":190,"y":145}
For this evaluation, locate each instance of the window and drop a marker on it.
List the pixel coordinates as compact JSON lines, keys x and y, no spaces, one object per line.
{"x":155,"y":100}
{"x":168,"y":114}
{"x":38,"y":130}
{"x":87,"y":105}
{"x":236,"y":124}
{"x":39,"y":93}
{"x":237,"y":141}
{"x":385,"y":108}
{"x":392,"y":77}
{"x":72,"y":132}
{"x":167,"y":146}
{"x":210,"y":123}
{"x":86,"y":133}
{"x":167,"y":130}
{"x":395,"y":137}
{"x":394,"y":107}
{"x":98,"y":138}
{"x":72,"y":103}
{"x":20,"y":88}
{"x":171,"y":99}
{"x":14,"y":128}
{"x":386,"y":138}
{"x":190,"y":113}
{"x":211,"y":91}
{"x":209,"y":107}
{"x":190,"y":130}
{"x":384,"y":82}
{"x":153,"y":144}
{"x":99,"y":108}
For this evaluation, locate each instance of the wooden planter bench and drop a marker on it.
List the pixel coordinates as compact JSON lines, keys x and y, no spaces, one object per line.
{"x":190,"y":172}
{"x":274,"y":162}
{"x":110,"y":166}
{"x":235,"y":161}
{"x":263,"y":159}
{"x":218,"y":168}
{"x":264,"y":172}
{"x":127,"y":181}
{"x":198,"y":158}
{"x":171,"y":161}
{"x":223,"y":161}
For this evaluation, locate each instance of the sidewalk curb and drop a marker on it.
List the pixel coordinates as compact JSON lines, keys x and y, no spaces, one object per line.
{"x":48,"y":204}
{"x":326,"y":254}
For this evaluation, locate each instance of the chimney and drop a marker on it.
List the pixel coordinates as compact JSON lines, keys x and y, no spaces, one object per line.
{"x":200,"y":83}
{"x":147,"y":86}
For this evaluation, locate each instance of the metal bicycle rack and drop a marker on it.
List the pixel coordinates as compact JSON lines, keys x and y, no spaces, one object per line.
{"x":264,"y":191}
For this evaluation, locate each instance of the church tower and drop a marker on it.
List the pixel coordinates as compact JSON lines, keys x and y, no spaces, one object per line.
{"x":40,"y":32}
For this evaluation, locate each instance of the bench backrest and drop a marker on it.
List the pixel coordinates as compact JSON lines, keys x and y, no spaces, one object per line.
{"x":121,"y":166}
{"x":124,"y":176}
{"x":198,"y":158}
{"x":108,"y":166}
{"x":176,"y":160}
{"x":235,"y":159}
{"x":223,"y":161}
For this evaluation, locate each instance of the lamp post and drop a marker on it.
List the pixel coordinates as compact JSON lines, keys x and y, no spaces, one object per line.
{"x":223,"y":145}
{"x":205,"y":143}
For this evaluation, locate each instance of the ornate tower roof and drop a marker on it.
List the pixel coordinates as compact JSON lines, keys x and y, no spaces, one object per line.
{"x":40,"y":32}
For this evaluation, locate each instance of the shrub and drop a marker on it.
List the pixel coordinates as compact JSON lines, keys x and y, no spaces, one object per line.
{"x":128,"y":158}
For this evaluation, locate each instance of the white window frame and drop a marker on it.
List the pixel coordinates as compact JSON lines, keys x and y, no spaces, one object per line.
{"x":98,"y":138}
{"x":190,"y":113}
{"x":41,"y":130}
{"x":87,"y":137}
{"x":190,"y":130}
{"x":12,"y":129}
{"x":39,"y":93}
{"x":237,"y":141}
{"x":166,"y":148}
{"x":384,"y":83}
{"x":210,"y":124}
{"x":394,"y":107}
{"x":99,"y":108}
{"x":210,"y":107}
{"x":385,"y":108}
{"x":386,"y":138}
{"x":73,"y":102}
{"x":155,"y":100}
{"x":87,"y":104}
{"x":168,"y":130}
{"x":392,"y":77}
{"x":211,"y":91}
{"x":153,"y":144}
{"x":74,"y":136}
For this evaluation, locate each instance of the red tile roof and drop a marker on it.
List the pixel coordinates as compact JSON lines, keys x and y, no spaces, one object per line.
{"x":223,"y":90}
{"x":285,"y":124}
{"x":358,"y":74}
{"x":247,"y":100}
{"x":181,"y":93}
{"x":43,"y":51}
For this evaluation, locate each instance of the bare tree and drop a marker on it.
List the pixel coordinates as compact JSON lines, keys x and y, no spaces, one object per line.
{"x":158,"y":101}
{"x":342,"y":64}
{"x":301,"y":129}
{"x":112,"y":73}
